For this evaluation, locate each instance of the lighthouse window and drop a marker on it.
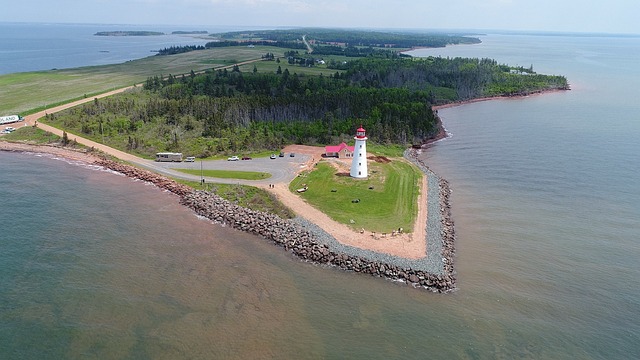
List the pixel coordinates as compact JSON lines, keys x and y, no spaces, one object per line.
{"x":359,"y":164}
{"x":359,"y":172}
{"x":360,"y":146}
{"x":360,"y":154}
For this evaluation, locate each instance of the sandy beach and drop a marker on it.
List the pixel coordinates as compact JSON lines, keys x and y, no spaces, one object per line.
{"x":67,"y":153}
{"x":516,"y":96}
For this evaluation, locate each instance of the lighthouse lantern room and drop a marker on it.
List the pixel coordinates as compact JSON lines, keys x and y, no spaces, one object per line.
{"x":359,"y":161}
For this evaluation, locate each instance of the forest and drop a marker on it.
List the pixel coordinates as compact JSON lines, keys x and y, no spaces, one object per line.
{"x":404,"y":39}
{"x":318,"y":50}
{"x":229,"y":111}
{"x":351,"y":43}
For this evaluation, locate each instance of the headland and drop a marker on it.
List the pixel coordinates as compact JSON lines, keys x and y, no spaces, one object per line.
{"x":432,"y":270}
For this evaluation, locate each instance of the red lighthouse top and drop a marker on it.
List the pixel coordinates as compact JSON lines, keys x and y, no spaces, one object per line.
{"x":361,"y":133}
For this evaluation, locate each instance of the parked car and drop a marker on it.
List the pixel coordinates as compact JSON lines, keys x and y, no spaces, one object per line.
{"x":190,"y":159}
{"x":281,"y":154}
{"x":292,"y":155}
{"x":273,"y":156}
{"x":246,"y":158}
{"x":233,"y":158}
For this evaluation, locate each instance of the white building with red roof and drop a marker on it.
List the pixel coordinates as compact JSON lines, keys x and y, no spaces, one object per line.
{"x":342,"y":151}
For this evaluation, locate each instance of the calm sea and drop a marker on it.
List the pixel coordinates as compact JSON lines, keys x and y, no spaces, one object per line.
{"x":547,"y":208}
{"x":34,"y":47}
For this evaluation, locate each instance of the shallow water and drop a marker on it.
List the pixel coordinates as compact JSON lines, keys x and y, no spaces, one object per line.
{"x":545,"y":199}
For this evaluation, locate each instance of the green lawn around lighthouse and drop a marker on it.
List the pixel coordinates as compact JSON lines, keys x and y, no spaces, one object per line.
{"x":386,"y":200}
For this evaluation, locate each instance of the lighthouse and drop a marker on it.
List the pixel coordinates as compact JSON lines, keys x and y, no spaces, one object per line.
{"x":359,"y":161}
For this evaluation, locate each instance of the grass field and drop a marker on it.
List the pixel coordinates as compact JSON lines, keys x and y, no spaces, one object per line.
{"x":32,"y":135}
{"x":24,"y":93}
{"x":245,"y":196}
{"x":387,"y":199}
{"x":272,"y":66}
{"x":228,"y":174}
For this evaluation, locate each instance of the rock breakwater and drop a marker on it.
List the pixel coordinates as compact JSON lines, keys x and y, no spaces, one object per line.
{"x":145,"y":175}
{"x":303,"y":243}
{"x":304,"y":240}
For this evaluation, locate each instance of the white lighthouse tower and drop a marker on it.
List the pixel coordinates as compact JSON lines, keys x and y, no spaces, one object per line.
{"x":359,"y":161}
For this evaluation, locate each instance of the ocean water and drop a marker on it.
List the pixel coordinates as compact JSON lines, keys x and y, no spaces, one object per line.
{"x":35,"y":47}
{"x":547,"y":209}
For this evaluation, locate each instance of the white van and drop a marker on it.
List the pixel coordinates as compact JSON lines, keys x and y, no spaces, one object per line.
{"x":169,"y":157}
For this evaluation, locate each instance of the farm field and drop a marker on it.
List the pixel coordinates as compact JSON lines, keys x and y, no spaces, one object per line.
{"x":29,"y":92}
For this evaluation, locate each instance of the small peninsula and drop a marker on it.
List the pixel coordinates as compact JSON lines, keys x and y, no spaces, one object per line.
{"x":297,"y":90}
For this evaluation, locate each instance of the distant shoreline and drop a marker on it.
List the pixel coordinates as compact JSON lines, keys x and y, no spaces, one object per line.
{"x":128,"y":33}
{"x":442,"y":132}
{"x":498,"y":97}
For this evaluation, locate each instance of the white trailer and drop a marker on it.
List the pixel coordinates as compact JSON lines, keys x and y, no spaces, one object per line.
{"x":10,"y":119}
{"x":168,"y":157}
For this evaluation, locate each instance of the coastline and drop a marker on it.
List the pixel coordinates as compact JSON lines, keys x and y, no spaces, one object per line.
{"x":67,"y":153}
{"x":498,"y":97}
{"x":433,"y":270}
{"x":301,"y":237}
{"x":442,"y":131}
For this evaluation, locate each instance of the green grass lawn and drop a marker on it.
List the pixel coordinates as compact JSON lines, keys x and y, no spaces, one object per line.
{"x":391,"y":204}
{"x":228,"y":174}
{"x":32,"y":135}
{"x":386,"y":149}
{"x":246,"y":196}
{"x":251,"y":154}
{"x":272,"y":66}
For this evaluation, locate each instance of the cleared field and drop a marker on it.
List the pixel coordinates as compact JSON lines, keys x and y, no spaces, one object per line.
{"x":387,"y":200}
{"x":23,"y":93}
{"x":272,"y":66}
{"x":31,"y":134}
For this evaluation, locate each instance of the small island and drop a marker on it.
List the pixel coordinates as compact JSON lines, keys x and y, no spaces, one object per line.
{"x":128,"y":33}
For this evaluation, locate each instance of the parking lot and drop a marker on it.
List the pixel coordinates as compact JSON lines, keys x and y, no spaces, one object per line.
{"x":282,"y":169}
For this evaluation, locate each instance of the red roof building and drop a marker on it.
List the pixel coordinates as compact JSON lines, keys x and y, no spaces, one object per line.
{"x":340,"y":151}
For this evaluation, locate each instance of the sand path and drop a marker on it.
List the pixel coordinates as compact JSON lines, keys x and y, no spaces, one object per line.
{"x":410,"y":246}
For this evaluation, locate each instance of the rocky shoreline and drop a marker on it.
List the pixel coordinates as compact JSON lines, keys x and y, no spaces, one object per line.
{"x":301,"y":237}
{"x":145,"y":175}
{"x":308,"y":242}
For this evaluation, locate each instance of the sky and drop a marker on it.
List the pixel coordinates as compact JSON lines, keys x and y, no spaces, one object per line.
{"x":582,"y":16}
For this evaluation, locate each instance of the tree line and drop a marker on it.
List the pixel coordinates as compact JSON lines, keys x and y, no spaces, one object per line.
{"x":229,"y":111}
{"x":400,"y":39}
